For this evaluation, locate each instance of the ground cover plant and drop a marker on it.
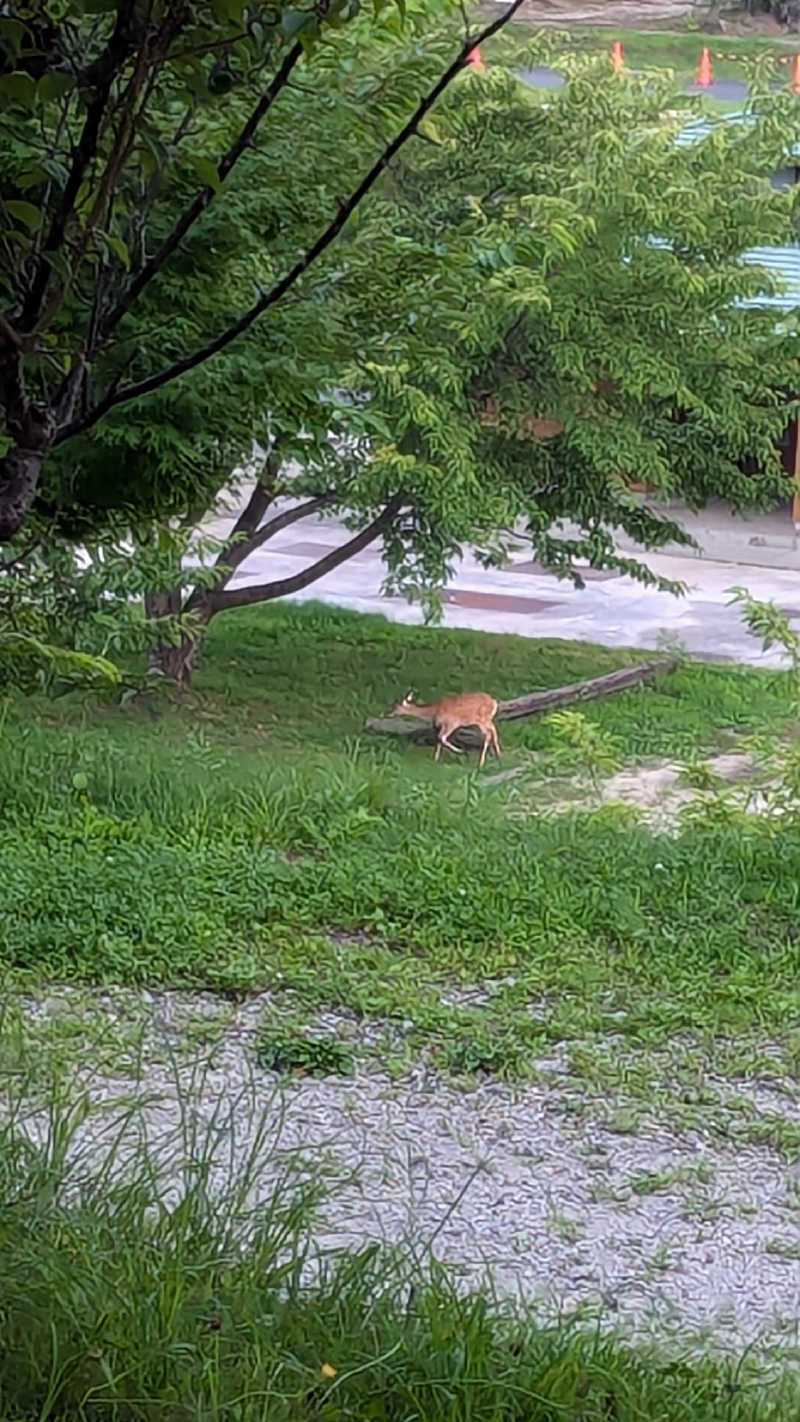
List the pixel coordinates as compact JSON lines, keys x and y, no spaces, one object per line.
{"x":252,"y":838}
{"x":126,"y":1295}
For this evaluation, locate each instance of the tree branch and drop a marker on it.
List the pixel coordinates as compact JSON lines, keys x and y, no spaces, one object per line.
{"x":251,"y":515}
{"x":284,"y":520}
{"x":222,"y":601}
{"x":229,"y":558}
{"x":301,"y":266}
{"x":201,"y":201}
{"x":101,"y":76}
{"x":236,"y":550}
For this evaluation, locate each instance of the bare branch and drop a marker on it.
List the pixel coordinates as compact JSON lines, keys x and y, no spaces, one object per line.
{"x":249,"y":519}
{"x":282,"y":587}
{"x":301,"y":266}
{"x":286,"y":519}
{"x":100,"y":76}
{"x":237,"y":549}
{"x":203,"y":198}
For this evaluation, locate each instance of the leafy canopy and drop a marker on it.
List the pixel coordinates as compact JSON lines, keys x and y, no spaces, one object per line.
{"x":108,"y":104}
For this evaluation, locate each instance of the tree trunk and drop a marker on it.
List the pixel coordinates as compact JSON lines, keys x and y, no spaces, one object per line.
{"x":32,"y":428}
{"x":536,"y":703}
{"x":175,"y":659}
{"x":176,"y":663}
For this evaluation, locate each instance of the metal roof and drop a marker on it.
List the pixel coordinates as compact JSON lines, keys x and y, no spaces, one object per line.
{"x":783,"y":263}
{"x":701,"y":127}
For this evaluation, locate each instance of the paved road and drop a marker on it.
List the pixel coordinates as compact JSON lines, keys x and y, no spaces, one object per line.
{"x":730,"y":90}
{"x":612,"y":609}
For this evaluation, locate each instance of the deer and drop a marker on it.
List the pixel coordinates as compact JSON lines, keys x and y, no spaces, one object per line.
{"x":470,"y":708}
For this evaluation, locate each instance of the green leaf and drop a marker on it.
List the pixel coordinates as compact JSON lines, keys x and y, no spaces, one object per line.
{"x":206,"y":171}
{"x":30,"y":178}
{"x":25,"y":212}
{"x":231,"y":10}
{"x":294,"y":21}
{"x":55,"y":170}
{"x":53,"y":86}
{"x":19,"y":88}
{"x":80,"y":781}
{"x":148,"y":163}
{"x":119,"y":249}
{"x":12,"y":36}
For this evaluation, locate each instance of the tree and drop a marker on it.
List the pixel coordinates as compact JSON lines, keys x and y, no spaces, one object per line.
{"x":542,"y":305}
{"x":103,"y":99}
{"x":536,"y":305}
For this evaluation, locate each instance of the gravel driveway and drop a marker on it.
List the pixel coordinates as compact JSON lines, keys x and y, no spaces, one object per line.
{"x":651,"y":1228}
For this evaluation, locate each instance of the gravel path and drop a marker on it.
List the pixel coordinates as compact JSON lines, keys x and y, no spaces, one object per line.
{"x":654,"y":1230}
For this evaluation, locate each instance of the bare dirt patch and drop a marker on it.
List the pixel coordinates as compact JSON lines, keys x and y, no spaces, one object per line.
{"x":647,"y":15}
{"x":630,"y":14}
{"x":658,"y":792}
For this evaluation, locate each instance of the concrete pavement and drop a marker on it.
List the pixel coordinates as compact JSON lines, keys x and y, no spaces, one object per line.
{"x":613,"y":609}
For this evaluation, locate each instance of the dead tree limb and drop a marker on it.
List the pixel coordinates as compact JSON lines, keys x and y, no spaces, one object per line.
{"x":536,"y":703}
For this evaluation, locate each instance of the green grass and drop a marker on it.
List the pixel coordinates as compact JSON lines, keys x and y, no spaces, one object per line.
{"x":126,"y":1296}
{"x":255,"y":838}
{"x":732,"y":57}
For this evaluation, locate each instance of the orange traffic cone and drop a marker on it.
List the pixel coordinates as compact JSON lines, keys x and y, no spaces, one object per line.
{"x":474,"y":58}
{"x":703,"y":77}
{"x":618,"y":56}
{"x":796,"y":74}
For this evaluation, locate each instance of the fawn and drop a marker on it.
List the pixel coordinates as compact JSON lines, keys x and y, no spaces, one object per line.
{"x":471,"y":708}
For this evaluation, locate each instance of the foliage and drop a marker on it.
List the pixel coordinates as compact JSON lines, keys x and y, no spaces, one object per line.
{"x":269,"y":846}
{"x":124,"y":124}
{"x":468,"y":310}
{"x":507,"y":352}
{"x":69,"y":617}
{"x":280,"y":1050}
{"x":598,"y":751}
{"x":774,"y":788}
{"x":495,"y":343}
{"x":126,"y":1292}
{"x":29,"y":664}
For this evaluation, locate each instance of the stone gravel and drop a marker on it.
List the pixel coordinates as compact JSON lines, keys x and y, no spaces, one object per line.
{"x":661,"y":1232}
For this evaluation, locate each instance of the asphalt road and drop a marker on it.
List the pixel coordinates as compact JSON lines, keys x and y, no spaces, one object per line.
{"x":730,"y":90}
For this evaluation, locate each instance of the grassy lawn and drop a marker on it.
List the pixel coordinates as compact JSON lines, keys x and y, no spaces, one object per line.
{"x":731,"y":57}
{"x":256,"y":839}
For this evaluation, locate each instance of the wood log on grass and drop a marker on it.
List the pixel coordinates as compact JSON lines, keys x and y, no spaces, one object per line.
{"x":536,"y":703}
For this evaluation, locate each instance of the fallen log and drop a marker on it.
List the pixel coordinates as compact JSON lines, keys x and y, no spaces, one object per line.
{"x":536,"y":703}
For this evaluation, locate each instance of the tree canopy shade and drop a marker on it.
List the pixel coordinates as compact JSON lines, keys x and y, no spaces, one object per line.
{"x":103,"y":100}
{"x":532,"y":305}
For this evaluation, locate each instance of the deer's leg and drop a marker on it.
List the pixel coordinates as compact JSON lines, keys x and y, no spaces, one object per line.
{"x":495,"y":740}
{"x":487,"y":736}
{"x":445,"y":732}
